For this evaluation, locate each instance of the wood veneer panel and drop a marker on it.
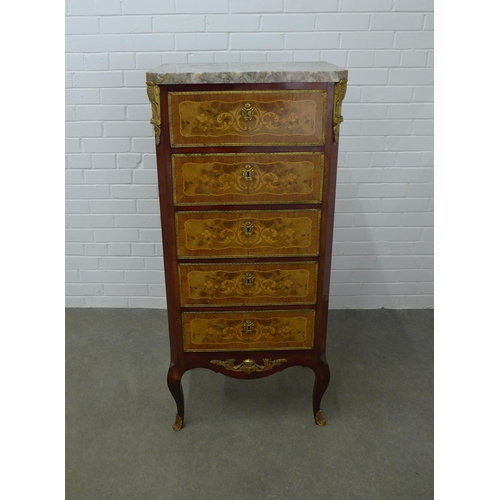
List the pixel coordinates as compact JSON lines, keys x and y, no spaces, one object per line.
{"x":233,"y":118}
{"x":240,"y":233}
{"x":250,"y":284}
{"x":243,"y":178}
{"x":248,"y":330}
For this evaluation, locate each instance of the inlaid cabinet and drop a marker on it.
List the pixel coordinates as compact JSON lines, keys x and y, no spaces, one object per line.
{"x":247,"y":162}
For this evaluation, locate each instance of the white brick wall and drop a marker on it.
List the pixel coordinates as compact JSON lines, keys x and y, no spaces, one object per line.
{"x":383,"y":241}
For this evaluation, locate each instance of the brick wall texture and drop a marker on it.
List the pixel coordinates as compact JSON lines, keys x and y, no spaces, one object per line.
{"x":383,"y":238}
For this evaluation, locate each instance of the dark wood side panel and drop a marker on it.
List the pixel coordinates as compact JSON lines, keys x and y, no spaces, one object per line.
{"x":165,"y":188}
{"x":331,"y":150}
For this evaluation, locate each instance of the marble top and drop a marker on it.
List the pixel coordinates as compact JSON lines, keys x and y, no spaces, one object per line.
{"x":287,"y":72}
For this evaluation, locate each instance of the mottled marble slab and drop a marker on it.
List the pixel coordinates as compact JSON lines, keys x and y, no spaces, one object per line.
{"x":287,"y":72}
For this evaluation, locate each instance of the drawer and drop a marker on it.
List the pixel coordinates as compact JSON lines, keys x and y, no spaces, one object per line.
{"x":265,"y":118}
{"x":248,"y":233}
{"x":248,"y":284}
{"x":248,"y":330}
{"x":247,"y":178}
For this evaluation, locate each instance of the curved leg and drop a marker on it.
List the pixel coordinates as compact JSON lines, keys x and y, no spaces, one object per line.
{"x":174,"y":384}
{"x":322,"y":372}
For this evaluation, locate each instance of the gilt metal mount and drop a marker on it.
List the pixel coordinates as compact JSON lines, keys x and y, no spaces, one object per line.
{"x":178,"y":423}
{"x":249,"y":365}
{"x":247,"y":112}
{"x":319,"y":418}
{"x":338,"y":96}
{"x":154,"y":98}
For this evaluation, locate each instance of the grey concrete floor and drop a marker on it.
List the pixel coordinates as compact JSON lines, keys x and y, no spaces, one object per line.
{"x":249,"y":439}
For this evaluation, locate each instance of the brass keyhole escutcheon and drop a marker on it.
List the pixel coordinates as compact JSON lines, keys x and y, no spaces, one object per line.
{"x":248,"y":228}
{"x":248,"y":172}
{"x":248,"y":279}
{"x":247,"y":111}
{"x":248,"y":326}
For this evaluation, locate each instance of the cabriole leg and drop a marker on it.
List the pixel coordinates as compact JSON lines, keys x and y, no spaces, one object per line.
{"x":174,"y":384}
{"x":322,"y":372}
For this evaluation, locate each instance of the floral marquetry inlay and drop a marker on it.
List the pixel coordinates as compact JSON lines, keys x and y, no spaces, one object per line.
{"x":219,"y":179}
{"x":258,"y":284}
{"x":248,"y":178}
{"x":218,"y":233}
{"x":215,"y":118}
{"x":249,"y":233}
{"x":264,"y":117}
{"x":272,"y":283}
{"x":278,"y":329}
{"x":271,"y":330}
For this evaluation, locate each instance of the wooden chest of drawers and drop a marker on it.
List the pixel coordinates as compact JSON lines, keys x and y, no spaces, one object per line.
{"x":247,"y":174}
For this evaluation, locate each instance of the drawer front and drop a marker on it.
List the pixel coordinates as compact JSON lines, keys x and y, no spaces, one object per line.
{"x":247,"y":178}
{"x":248,"y":330}
{"x":249,"y":234}
{"x":247,"y":117}
{"x":248,"y":284}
